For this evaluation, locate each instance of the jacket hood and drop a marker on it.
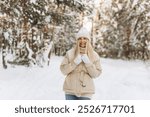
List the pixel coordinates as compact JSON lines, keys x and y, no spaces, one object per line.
{"x":83,"y":32}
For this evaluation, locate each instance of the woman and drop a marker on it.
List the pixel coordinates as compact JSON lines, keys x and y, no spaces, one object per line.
{"x":80,"y":65}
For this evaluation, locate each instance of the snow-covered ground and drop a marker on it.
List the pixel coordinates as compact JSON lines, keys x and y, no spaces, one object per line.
{"x":119,"y":80}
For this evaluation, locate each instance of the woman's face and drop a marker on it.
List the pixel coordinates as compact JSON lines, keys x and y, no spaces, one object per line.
{"x":82,"y":42}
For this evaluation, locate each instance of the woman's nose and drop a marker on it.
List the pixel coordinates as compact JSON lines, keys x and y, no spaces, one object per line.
{"x":82,"y":40}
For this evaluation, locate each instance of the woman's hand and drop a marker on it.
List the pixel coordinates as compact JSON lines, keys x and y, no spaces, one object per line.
{"x":78,"y":60}
{"x":85,"y":59}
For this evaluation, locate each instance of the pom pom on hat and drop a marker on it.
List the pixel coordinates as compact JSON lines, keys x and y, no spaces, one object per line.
{"x":83,"y":32}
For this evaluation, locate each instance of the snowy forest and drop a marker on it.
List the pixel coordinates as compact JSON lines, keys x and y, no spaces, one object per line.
{"x":36,"y":34}
{"x":33,"y":30}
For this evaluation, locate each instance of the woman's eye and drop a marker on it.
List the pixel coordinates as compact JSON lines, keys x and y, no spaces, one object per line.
{"x":85,"y":38}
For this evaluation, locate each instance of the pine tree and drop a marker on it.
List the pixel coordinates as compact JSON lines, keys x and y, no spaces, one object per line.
{"x":123,"y":29}
{"x":40,"y":22}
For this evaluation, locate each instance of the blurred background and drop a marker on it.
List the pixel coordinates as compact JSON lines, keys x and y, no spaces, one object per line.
{"x":29,"y":28}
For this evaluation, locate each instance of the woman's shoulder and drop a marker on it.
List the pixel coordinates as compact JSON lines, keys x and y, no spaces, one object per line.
{"x":70,"y":53}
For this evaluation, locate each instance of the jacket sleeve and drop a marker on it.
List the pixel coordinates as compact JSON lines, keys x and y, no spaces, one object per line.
{"x":66,"y":67}
{"x":94,"y":69}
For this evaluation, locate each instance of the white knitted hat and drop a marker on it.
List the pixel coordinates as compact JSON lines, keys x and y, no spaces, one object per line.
{"x":83,"y":32}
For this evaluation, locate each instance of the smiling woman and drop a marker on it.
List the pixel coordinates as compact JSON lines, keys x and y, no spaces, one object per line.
{"x":80,"y":65}
{"x":82,"y":44}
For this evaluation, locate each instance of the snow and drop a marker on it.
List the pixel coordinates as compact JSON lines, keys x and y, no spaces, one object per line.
{"x":6,"y":35}
{"x":148,"y":14}
{"x":106,"y":3}
{"x":96,"y":3}
{"x":87,"y":24}
{"x":33,"y":1}
{"x":134,"y":3}
{"x":48,"y":19}
{"x":119,"y":80}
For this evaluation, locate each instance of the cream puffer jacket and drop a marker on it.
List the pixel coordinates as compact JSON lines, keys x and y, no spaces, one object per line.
{"x":79,"y":78}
